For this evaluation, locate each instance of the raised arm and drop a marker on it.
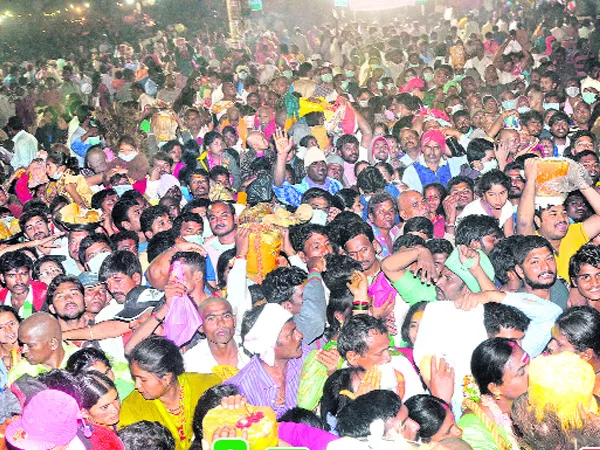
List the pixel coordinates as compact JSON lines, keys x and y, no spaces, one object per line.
{"x":526,"y":210}
{"x":395,"y":265}
{"x":284,"y":145}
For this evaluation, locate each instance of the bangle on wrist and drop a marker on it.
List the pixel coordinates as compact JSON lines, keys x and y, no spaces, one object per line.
{"x":241,"y":256}
{"x":91,"y":333}
{"x":154,"y":315}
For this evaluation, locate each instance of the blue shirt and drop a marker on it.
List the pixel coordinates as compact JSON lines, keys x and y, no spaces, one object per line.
{"x":291,"y":194}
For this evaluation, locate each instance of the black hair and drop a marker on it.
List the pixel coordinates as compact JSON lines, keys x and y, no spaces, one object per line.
{"x":503,"y":259}
{"x":419,"y":225}
{"x":386,"y":166}
{"x":211,"y":137}
{"x":147,"y":435}
{"x":158,"y":355}
{"x":198,"y":171}
{"x":57,"y":281}
{"x":439,"y":246}
{"x":370,"y":180}
{"x":331,"y":401}
{"x":443,"y":193}
{"x":196,"y":203}
{"x":123,"y":236}
{"x":82,"y":360}
{"x":588,"y":254}
{"x":379,"y":198}
{"x":355,"y":419}
{"x":313,"y":193}
{"x":337,"y":227}
{"x":301,"y":415}
{"x":30,"y":213}
{"x":488,"y":361}
{"x":492,"y":178}
{"x":526,"y":245}
{"x":120,"y":261}
{"x":217,"y":171}
{"x":15,"y":260}
{"x":159,"y":243}
{"x":279,"y":284}
{"x":186,"y":217}
{"x":88,"y":241}
{"x":477,"y":149}
{"x":93,"y":385}
{"x":497,"y":316}
{"x":10,"y":309}
{"x":162,"y":156}
{"x":475,"y":228}
{"x":61,"y":159}
{"x":344,"y":232}
{"x":120,"y":212}
{"x":558,"y":117}
{"x":195,"y":260}
{"x":61,"y":380}
{"x":100,"y":196}
{"x":356,"y":332}
{"x":222,"y":264}
{"x":407,"y":241}
{"x":170,"y":145}
{"x":345,"y":139}
{"x":211,"y":398}
{"x":458,"y":180}
{"x":429,"y":412}
{"x":337,"y":274}
{"x":149,"y":215}
{"x":299,"y":234}
{"x":342,"y":303}
{"x":581,"y":326}
{"x":405,"y":329}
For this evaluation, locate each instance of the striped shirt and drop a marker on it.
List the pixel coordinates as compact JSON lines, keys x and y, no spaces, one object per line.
{"x":257,"y":386}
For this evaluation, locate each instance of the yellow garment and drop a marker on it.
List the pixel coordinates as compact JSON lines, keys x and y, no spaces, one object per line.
{"x":320,"y":133}
{"x":136,"y":408}
{"x":575,"y":238}
{"x":241,"y":128}
{"x":81,"y":186}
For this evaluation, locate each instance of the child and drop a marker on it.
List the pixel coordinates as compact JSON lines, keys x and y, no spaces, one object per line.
{"x":69,"y":183}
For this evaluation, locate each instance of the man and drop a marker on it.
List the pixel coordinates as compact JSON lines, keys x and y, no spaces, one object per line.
{"x":409,"y":143}
{"x":412,"y":204}
{"x":95,"y":296}
{"x":72,"y":264}
{"x":121,"y":271}
{"x":348,"y":147}
{"x":514,"y":171}
{"x":126,"y":216}
{"x":220,"y":346}
{"x":198,"y":183}
{"x":303,"y":297}
{"x":125,"y":240}
{"x":590,"y":162}
{"x":478,"y":232}
{"x":307,"y":241}
{"x":34,"y":223}
{"x":364,"y":342}
{"x":196,"y":124}
{"x":559,"y":129}
{"x":25,"y":145}
{"x":66,"y":302}
{"x":552,"y":221}
{"x":382,"y":211}
{"x":316,"y":174}
{"x":92,"y":251}
{"x":223,"y":224}
{"x":25,"y":295}
{"x":584,"y":270}
{"x":271,"y":378}
{"x":161,"y":166}
{"x":460,"y":193}
{"x":43,"y":349}
{"x":304,"y":85}
{"x":154,"y":220}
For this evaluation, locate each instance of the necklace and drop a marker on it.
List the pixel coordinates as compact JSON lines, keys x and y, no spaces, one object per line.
{"x":179,"y":414}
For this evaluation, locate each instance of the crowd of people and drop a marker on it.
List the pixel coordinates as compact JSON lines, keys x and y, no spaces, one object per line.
{"x":384,"y":235}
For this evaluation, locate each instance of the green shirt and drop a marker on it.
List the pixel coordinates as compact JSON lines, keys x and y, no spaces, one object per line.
{"x":413,"y":290}
{"x":24,"y":368}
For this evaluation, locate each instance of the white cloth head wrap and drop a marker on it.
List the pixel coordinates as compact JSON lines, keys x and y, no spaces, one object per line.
{"x":262,"y":337}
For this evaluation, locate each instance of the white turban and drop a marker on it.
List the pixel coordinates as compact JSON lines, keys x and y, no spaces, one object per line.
{"x":262,"y":337}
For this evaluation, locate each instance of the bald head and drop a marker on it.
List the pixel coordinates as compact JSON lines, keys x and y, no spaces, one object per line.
{"x":412,"y":204}
{"x":41,"y":324}
{"x":207,"y":304}
{"x":218,"y":321}
{"x":41,"y":337}
{"x":256,"y":141}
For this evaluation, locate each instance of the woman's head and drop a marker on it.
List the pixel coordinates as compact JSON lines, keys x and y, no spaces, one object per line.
{"x":410,"y":326}
{"x":89,"y":359}
{"x":493,"y":188}
{"x":155,"y":364}
{"x":58,"y":162}
{"x":213,"y":142}
{"x":339,"y":310}
{"x":500,"y":368}
{"x":434,"y":416}
{"x":351,"y":200}
{"x":99,"y":399}
{"x":434,"y":194}
{"x":9,"y":325}
{"x":47,"y":268}
{"x":332,"y":401}
{"x":577,"y":330}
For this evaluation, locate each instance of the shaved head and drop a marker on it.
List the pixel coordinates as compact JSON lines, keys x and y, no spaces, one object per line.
{"x":212,"y":301}
{"x":41,"y":324}
{"x":41,"y":339}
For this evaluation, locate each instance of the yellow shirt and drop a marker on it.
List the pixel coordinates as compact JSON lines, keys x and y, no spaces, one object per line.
{"x":136,"y":408}
{"x":575,"y":238}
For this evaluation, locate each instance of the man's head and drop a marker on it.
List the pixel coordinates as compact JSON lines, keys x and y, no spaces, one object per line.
{"x":285,"y":286}
{"x":382,"y":211}
{"x":218,"y":320}
{"x":34,"y":224}
{"x":559,"y":125}
{"x":318,"y":199}
{"x":479,"y":232}
{"x":125,"y":240}
{"x":198,"y":182}
{"x":40,"y":337}
{"x":310,"y":240}
{"x":419,"y":226}
{"x":504,"y":321}
{"x":577,"y":207}
{"x":584,"y":271}
{"x":514,"y":172}
{"x":364,"y":342}
{"x":126,"y":215}
{"x":347,"y":147}
{"x":188,"y":224}
{"x":222,"y":218}
{"x":121,"y":272}
{"x":590,"y":162}
{"x":95,"y":293}
{"x":535,"y":262}
{"x":360,"y":244}
{"x":154,"y":220}
{"x":370,"y":180}
{"x":412,"y":204}
{"x":92,"y":246}
{"x":316,"y":165}
{"x":15,"y":272}
{"x":462,"y":188}
{"x":194,"y":269}
{"x":65,"y":298}
{"x":450,"y":286}
{"x":552,"y":222}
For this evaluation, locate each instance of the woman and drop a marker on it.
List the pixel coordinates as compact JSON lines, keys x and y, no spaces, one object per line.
{"x":351,"y":200}
{"x":493,"y":189}
{"x":500,"y":370}
{"x":435,"y":418}
{"x":164,"y":393}
{"x":91,"y":359}
{"x":9,"y":336}
{"x":577,"y":330}
{"x":47,"y":268}
{"x":215,"y":155}
{"x":434,"y":194}
{"x":69,"y":183}
{"x":100,"y":406}
{"x":410,"y":328}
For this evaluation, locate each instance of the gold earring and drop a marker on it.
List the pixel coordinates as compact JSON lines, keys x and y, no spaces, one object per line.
{"x":497,"y":396}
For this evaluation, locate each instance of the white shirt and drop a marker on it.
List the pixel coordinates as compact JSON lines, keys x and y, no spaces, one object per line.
{"x":25,"y":149}
{"x":411,"y":177}
{"x":113,"y":347}
{"x":200,"y":359}
{"x":475,"y":208}
{"x":28,"y":299}
{"x":479,"y":64}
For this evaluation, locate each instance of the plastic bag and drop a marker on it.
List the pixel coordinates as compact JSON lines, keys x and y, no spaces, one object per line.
{"x":560,"y":176}
{"x":182,"y":319}
{"x":313,"y":378}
